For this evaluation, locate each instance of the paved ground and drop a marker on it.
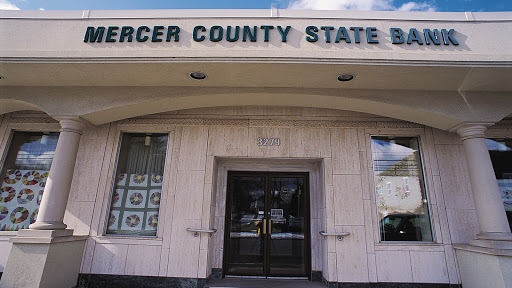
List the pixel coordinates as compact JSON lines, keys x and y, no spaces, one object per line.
{"x":263,"y":283}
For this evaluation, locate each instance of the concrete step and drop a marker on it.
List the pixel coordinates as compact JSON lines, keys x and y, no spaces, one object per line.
{"x":262,"y":283}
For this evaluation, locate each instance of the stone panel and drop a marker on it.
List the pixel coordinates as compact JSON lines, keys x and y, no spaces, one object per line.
{"x":309,"y":142}
{"x":393,"y":266}
{"x":228,"y":141}
{"x":189,"y":195}
{"x":78,"y":216}
{"x":164,"y":260}
{"x":283,"y":150}
{"x":445,"y":137}
{"x":463,"y":224}
{"x":88,"y":256}
{"x":429,"y":267}
{"x":5,"y":248}
{"x":184,"y":250}
{"x":454,"y":177}
{"x":143,"y":260}
{"x":348,"y":199}
{"x":345,"y":151}
{"x":193,"y":144}
{"x":451,"y":263}
{"x":352,"y":265}
{"x":332,"y":275}
{"x":109,"y":259}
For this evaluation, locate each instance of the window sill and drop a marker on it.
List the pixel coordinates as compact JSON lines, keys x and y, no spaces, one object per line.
{"x":8,"y":234}
{"x":412,"y":246}
{"x":114,"y":239}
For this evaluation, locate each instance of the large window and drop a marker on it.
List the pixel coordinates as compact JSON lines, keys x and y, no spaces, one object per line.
{"x":403,"y":209}
{"x":24,"y":173}
{"x":501,"y":157}
{"x":138,"y":184}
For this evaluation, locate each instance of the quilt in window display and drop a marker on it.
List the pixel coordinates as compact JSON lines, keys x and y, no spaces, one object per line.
{"x":135,"y":204}
{"x":20,"y":197}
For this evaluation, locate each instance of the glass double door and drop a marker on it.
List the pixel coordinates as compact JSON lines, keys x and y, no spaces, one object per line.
{"x":267,"y":225}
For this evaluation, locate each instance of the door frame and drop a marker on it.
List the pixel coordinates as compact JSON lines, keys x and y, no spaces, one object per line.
{"x":307,"y":223}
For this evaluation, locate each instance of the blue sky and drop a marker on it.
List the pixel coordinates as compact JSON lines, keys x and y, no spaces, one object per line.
{"x":405,"y":5}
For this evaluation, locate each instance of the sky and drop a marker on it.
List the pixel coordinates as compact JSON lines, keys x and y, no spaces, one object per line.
{"x":388,"y":5}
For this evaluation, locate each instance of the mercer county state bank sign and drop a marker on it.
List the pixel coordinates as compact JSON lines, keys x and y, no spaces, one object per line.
{"x":250,"y":34}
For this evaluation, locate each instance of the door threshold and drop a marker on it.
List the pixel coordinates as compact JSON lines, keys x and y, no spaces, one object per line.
{"x":269,"y":277}
{"x":287,"y":278}
{"x":246,"y":277}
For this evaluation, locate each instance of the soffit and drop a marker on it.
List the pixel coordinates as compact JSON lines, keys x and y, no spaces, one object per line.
{"x":286,"y":74}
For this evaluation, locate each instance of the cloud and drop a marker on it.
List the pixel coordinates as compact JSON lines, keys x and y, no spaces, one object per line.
{"x":413,"y":6}
{"x":358,"y":5}
{"x":6,"y":5}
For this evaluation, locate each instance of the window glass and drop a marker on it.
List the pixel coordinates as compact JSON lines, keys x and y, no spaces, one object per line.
{"x":24,"y":173}
{"x":500,"y":151}
{"x":403,"y":210}
{"x":138,"y":184}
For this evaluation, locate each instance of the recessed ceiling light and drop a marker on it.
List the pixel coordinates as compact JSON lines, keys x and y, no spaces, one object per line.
{"x":345,"y":77}
{"x":198,"y":75}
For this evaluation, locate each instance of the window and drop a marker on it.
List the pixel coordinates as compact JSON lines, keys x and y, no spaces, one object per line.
{"x":403,"y":212}
{"x":500,"y":151}
{"x":138,"y":185}
{"x":388,"y":188}
{"x":25,"y":170}
{"x":378,"y":189}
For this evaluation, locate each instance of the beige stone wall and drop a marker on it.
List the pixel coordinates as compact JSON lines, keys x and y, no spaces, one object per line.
{"x":333,"y":145}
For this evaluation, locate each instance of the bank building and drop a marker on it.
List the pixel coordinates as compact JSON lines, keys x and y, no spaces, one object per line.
{"x":176,"y":148}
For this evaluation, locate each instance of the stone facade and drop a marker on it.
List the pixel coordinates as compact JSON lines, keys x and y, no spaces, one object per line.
{"x":332,"y":145}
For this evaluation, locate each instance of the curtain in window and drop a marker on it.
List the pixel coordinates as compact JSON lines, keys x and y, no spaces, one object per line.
{"x":137,"y":190}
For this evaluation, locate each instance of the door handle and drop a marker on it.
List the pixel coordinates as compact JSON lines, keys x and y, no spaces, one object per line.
{"x":264,"y":226}
{"x":270,"y":226}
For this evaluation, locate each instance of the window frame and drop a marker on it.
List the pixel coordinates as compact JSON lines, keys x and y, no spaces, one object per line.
{"x":117,"y":136}
{"x":426,"y":179}
{"x":493,"y":135}
{"x":6,"y":137}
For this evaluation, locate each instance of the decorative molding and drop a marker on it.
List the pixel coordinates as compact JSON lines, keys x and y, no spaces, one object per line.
{"x":269,"y":123}
{"x":33,"y":120}
{"x":471,"y":130}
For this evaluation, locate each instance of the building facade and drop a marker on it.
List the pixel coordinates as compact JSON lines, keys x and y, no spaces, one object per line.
{"x":174,"y":147}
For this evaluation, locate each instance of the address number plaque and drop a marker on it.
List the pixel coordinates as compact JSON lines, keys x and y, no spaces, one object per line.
{"x":269,"y":142}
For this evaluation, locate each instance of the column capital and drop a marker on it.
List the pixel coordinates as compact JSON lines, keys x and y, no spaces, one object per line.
{"x":73,"y":124}
{"x":471,"y":130}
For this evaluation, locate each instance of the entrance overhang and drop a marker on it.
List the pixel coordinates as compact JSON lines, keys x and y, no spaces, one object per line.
{"x":436,"y":85}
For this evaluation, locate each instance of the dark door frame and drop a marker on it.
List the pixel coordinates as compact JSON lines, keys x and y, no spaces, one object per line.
{"x":307,"y":222}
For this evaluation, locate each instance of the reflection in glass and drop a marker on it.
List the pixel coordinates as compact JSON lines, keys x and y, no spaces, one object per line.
{"x":403,"y":209}
{"x":246,"y":247}
{"x":500,"y":151}
{"x":267,"y":225}
{"x":138,"y":185}
{"x":24,"y":176}
{"x":287,"y":210}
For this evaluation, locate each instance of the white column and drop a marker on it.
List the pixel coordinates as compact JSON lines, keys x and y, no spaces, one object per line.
{"x":56,"y":191}
{"x":488,"y":202}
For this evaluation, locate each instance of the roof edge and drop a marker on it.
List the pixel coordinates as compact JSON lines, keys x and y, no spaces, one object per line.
{"x":258,"y":13}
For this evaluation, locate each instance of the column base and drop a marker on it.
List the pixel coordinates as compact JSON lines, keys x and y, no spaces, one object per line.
{"x":48,"y":225}
{"x":493,"y":241}
{"x":484,"y":267}
{"x":53,"y":258}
